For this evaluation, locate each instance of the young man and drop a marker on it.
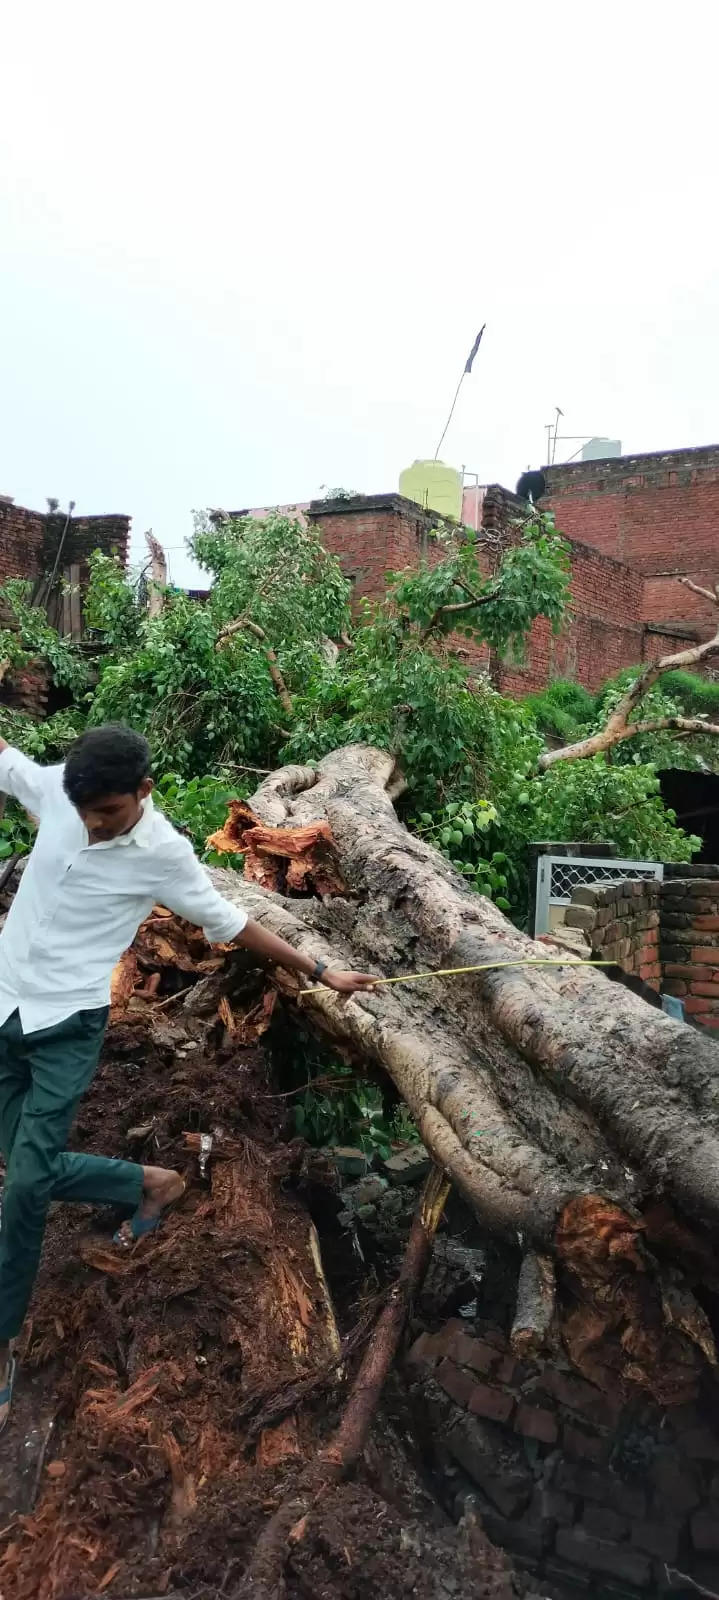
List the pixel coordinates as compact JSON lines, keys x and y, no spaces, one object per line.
{"x":103,"y":857}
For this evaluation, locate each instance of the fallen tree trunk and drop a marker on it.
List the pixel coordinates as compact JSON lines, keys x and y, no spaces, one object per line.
{"x":560,"y":1103}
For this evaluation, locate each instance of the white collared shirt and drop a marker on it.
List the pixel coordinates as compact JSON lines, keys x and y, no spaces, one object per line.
{"x":79,"y":905}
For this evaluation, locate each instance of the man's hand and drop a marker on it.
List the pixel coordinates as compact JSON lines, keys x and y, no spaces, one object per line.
{"x":347,"y":982}
{"x":269,"y":948}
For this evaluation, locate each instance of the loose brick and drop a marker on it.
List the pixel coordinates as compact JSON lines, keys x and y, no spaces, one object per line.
{"x":582,"y":1481}
{"x":423,"y":1352}
{"x":599,"y":1555}
{"x":675,"y":1485}
{"x":705,"y":1530}
{"x":697,"y":1005}
{"x":581,"y":1446}
{"x":494,"y":1404}
{"x":629,"y":1499}
{"x":660,"y":1539}
{"x":444,"y":1339}
{"x":474,"y":1353}
{"x":508,"y":1371}
{"x":578,"y":1395}
{"x":589,"y":894}
{"x":605,"y":1524}
{"x":535,"y":1423}
{"x":552,"y":1506}
{"x":492,"y":1462}
{"x":579,"y":917}
{"x":457,"y":1383}
{"x":522,"y":1536}
{"x":700,"y":1444}
{"x":574,"y":1582}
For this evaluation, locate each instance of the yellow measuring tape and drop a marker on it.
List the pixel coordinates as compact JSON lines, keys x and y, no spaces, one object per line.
{"x":484,"y":966}
{"x":489,"y":966}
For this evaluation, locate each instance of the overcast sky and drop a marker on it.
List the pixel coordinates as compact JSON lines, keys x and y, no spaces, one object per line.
{"x":245,"y":249}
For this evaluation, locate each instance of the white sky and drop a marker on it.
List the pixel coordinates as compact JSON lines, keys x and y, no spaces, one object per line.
{"x":244,"y":249}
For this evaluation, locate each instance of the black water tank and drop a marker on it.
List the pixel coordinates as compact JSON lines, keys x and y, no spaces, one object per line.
{"x":531,"y":486}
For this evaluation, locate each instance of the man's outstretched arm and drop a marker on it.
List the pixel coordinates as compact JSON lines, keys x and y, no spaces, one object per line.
{"x":190,"y":894}
{"x":23,"y":779}
{"x":270,"y":948}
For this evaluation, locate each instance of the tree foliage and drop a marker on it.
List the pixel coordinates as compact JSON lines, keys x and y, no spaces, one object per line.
{"x":274,"y":666}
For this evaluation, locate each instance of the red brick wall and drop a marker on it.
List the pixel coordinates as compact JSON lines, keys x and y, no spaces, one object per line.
{"x":604,"y":632}
{"x":621,"y":922}
{"x":594,"y":1494}
{"x":29,"y":540}
{"x":690,"y":941}
{"x":658,"y":513}
{"x":612,"y":506}
{"x":374,"y":535}
{"x":22,"y":535}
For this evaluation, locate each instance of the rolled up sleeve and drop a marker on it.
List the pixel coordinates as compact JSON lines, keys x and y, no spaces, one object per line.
{"x":190,"y":894}
{"x":25,"y":780}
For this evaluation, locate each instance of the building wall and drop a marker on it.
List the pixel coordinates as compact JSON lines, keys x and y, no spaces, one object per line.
{"x":690,"y":941}
{"x":29,"y":540}
{"x":621,"y":922}
{"x":604,"y":633}
{"x":658,"y":513}
{"x":666,"y":934}
{"x":595,"y":1494}
{"x":22,"y":535}
{"x":636,"y":526}
{"x":373,"y":535}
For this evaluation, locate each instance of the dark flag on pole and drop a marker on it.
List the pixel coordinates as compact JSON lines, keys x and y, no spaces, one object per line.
{"x":474,"y":349}
{"x":467,"y":368}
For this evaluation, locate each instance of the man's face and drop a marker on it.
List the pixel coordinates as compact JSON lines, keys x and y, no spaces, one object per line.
{"x":109,"y":815}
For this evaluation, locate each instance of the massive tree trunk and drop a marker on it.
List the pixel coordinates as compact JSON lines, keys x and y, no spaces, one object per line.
{"x":578,"y":1121}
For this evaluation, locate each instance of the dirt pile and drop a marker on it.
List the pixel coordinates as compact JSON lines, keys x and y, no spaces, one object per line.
{"x":170,"y":1395}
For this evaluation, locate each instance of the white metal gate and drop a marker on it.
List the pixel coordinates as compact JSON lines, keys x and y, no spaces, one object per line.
{"x":559,"y":876}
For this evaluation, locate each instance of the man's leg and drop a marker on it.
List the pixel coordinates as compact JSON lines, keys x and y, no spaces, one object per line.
{"x":62,"y":1063}
{"x":14,"y":1081}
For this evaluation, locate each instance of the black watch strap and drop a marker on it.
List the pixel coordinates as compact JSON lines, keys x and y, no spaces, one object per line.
{"x":320,"y":967}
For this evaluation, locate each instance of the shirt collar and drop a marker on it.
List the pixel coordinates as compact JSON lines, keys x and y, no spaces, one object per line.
{"x":141,"y":834}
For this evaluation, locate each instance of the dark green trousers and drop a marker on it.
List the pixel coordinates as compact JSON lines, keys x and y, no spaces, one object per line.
{"x":42,"y":1078}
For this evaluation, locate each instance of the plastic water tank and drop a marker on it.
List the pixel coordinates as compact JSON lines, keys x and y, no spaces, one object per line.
{"x":435,"y":486}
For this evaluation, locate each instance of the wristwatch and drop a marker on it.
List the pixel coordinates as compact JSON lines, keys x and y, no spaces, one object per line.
{"x":320,"y":967}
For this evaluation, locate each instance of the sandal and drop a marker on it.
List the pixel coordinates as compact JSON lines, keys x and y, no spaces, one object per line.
{"x":141,"y":1226}
{"x":6,"y":1392}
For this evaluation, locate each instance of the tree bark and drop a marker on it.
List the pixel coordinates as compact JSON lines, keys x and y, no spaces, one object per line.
{"x":157,"y":583}
{"x":559,"y":1102}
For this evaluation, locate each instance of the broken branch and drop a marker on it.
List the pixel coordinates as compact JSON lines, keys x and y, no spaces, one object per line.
{"x":263,"y":1577}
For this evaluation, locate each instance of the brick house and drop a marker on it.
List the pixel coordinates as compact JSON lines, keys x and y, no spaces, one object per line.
{"x":35,"y":545}
{"x":635,"y":524}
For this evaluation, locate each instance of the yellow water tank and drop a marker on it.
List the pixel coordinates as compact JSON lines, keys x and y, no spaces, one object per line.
{"x":435,"y":486}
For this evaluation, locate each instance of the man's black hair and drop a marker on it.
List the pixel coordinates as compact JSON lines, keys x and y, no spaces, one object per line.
{"x":108,"y":760}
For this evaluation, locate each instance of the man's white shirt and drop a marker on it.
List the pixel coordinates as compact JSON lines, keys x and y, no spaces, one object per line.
{"x":79,"y":905}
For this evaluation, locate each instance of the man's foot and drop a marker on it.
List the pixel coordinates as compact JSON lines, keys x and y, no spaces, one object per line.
{"x":160,"y":1188}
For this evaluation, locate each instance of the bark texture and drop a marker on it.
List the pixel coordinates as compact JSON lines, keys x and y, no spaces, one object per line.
{"x":559,"y":1102}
